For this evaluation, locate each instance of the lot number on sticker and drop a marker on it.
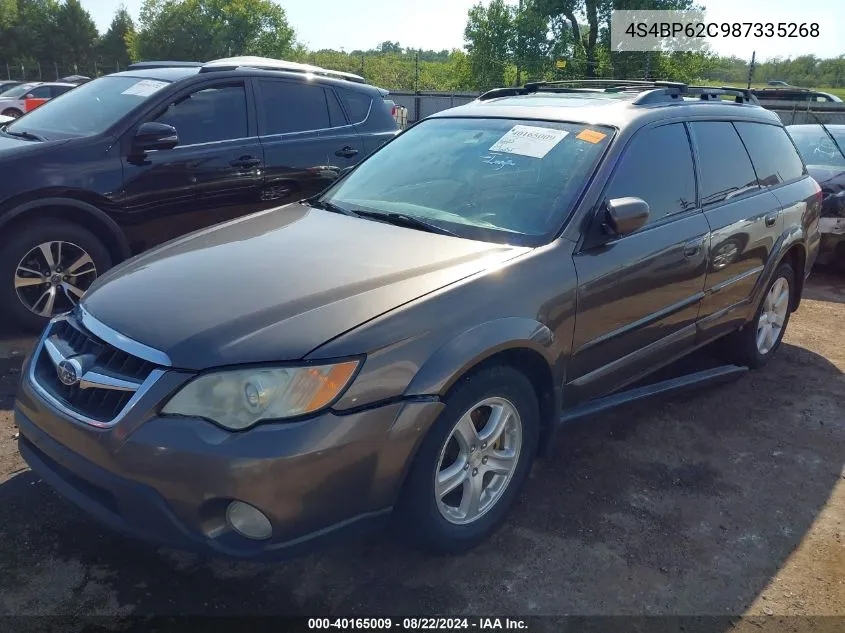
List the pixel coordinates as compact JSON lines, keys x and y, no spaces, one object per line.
{"x":527,"y":140}
{"x":591,"y":136}
{"x":144,"y":88}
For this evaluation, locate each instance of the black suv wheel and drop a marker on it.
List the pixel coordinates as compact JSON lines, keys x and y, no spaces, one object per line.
{"x":45,"y":269}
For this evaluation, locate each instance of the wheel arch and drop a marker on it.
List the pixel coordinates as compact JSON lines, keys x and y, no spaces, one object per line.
{"x":83,"y":213}
{"x":522,"y":343}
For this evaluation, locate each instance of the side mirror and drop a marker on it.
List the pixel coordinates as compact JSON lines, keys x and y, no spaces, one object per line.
{"x":626,"y":215}
{"x":29,"y":96}
{"x":154,"y":135}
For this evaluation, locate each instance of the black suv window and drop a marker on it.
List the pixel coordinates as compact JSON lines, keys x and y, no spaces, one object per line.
{"x":657,"y":167}
{"x":357,"y":104}
{"x":217,"y":113}
{"x":724,"y":166}
{"x":772,"y":153}
{"x":293,"y":107}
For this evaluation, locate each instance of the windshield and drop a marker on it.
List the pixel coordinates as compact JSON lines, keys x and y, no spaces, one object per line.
{"x":89,"y":109}
{"x":815,"y":146}
{"x":17,"y":91}
{"x":497,"y":180}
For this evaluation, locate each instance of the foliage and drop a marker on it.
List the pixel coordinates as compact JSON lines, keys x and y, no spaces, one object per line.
{"x":118,"y":44}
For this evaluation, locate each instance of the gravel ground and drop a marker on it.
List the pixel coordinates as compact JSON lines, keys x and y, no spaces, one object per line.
{"x":725,"y":501}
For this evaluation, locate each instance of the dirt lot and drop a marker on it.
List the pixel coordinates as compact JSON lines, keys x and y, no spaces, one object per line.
{"x":725,"y":501}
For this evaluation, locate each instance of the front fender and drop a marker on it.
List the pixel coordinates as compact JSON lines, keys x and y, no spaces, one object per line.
{"x":474,"y":346}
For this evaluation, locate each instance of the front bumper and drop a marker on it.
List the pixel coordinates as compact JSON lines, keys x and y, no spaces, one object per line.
{"x":169,"y":480}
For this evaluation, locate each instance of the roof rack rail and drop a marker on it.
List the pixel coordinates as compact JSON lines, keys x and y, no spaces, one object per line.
{"x":266,"y":63}
{"x":160,"y":64}
{"x":677,"y":92}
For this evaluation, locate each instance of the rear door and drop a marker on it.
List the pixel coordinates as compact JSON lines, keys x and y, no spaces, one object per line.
{"x":306,"y":137}
{"x":744,"y":217}
{"x":639,"y":294}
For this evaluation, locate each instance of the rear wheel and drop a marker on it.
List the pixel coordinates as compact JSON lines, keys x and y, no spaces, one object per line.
{"x":472,"y":463}
{"x":755,"y":343}
{"x":46,"y":268}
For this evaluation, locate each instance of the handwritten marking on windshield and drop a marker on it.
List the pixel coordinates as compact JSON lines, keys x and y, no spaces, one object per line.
{"x":498,"y":162}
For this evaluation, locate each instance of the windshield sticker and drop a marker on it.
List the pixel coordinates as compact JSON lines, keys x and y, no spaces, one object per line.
{"x":527,"y":140}
{"x":144,"y":88}
{"x":591,"y":136}
{"x":498,"y":162}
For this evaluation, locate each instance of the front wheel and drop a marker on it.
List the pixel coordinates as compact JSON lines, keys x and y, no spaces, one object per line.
{"x":472,"y":463}
{"x":12,"y":113}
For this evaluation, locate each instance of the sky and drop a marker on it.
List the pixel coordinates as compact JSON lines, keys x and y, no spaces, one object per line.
{"x":439,"y":24}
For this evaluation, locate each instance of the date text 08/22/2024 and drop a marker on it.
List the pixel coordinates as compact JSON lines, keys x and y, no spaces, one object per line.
{"x":418,"y":624}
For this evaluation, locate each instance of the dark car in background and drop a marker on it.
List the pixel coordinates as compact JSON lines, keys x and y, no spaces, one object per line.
{"x":791,"y":93}
{"x":133,"y":159}
{"x":410,"y":339}
{"x":822,"y":146}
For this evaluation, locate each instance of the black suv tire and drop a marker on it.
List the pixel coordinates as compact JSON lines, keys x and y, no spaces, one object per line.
{"x":28,"y":237}
{"x":420,"y":520}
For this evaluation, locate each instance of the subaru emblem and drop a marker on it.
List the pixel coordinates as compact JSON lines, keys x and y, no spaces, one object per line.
{"x":69,"y":372}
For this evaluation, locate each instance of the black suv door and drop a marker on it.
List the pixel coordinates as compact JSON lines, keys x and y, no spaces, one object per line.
{"x":214,"y":173}
{"x":639,"y":294}
{"x":306,"y":137}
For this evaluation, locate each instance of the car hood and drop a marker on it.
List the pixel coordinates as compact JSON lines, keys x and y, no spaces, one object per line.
{"x":277,"y":285}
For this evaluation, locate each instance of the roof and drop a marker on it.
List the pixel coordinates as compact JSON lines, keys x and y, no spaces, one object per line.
{"x":599,"y":108}
{"x":165,"y":73}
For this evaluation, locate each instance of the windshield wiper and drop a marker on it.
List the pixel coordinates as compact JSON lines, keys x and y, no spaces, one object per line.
{"x":24,"y":134}
{"x":331,"y":206}
{"x":408,"y":221}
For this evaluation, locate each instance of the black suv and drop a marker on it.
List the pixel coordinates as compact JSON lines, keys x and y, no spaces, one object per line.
{"x":408,"y":340}
{"x":136,"y":158}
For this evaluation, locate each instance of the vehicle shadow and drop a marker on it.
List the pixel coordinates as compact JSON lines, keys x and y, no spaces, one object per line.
{"x":826,"y":284}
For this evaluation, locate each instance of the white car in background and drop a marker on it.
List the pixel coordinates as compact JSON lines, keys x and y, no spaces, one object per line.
{"x":13,"y":103}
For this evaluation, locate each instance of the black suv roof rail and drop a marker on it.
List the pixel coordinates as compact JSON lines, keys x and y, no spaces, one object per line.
{"x":160,"y":64}
{"x":266,"y":63}
{"x":652,"y":92}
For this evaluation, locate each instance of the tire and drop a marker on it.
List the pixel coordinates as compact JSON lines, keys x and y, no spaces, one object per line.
{"x":742,"y":346}
{"x":420,"y":518}
{"x":12,"y":112}
{"x":22,"y":249}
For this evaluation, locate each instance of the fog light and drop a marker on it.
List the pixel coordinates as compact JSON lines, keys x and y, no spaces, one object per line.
{"x":248,"y":521}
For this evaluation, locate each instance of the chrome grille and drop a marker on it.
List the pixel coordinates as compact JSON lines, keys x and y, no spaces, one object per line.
{"x":91,"y":379}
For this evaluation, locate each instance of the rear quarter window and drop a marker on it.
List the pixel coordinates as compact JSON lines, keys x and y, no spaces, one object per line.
{"x":772,"y":153}
{"x":357,"y":104}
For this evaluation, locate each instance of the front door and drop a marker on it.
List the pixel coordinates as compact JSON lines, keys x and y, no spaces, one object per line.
{"x":639,"y":294}
{"x":214,"y":173}
{"x":306,"y":137}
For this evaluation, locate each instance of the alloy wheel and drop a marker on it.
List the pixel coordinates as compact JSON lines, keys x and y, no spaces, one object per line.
{"x":773,"y":316}
{"x":478,"y":460}
{"x":53,"y":276}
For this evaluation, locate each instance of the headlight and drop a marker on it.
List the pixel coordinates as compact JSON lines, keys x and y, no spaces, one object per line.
{"x":240,"y":398}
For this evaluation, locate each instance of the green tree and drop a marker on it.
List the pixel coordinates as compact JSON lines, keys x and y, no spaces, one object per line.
{"x":208,"y":29}
{"x":115,"y":47}
{"x":76,"y":34}
{"x":488,"y":36}
{"x":8,"y":13}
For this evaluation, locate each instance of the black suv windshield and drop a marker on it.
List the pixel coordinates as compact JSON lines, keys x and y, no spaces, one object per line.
{"x":89,"y":109}
{"x":498,"y":180}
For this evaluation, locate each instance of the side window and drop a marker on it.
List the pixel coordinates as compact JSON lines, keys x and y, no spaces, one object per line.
{"x":40,"y":92}
{"x":657,"y":167}
{"x":357,"y":104}
{"x":724,"y":168}
{"x":336,"y":116}
{"x":59,"y":90}
{"x":218,"y":113}
{"x":772,"y":153}
{"x":293,"y":107}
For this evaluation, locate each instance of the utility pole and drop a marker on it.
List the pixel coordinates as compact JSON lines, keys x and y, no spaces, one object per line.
{"x":362,"y":64}
{"x":417,"y":71}
{"x":751,"y":68}
{"x":519,"y":45}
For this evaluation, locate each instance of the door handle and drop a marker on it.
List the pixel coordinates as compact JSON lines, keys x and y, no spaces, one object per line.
{"x":347,"y":152}
{"x":693,"y":247}
{"x":246,"y":162}
{"x":772,"y":218}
